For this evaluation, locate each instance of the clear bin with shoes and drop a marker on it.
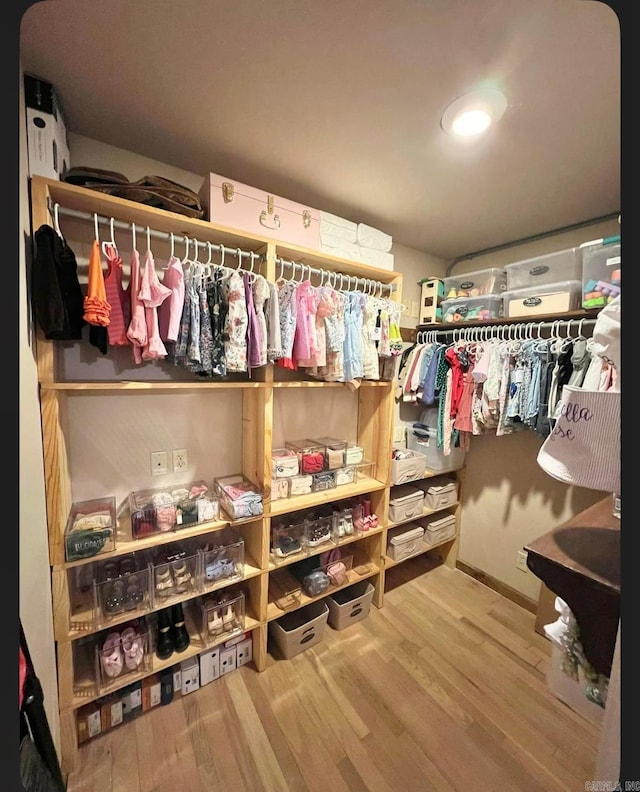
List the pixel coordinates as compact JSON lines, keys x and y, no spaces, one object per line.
{"x":91,"y":528}
{"x":168,"y":508}
{"x":324,"y":481}
{"x":287,"y":540}
{"x":121,"y":652}
{"x":175,"y":573}
{"x":346,"y":475}
{"x":222,"y":558}
{"x":342,"y":525}
{"x":317,"y":532}
{"x":120,"y":586}
{"x":222,"y":616}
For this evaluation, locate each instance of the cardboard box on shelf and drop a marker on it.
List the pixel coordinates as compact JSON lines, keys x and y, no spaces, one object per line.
{"x":47,"y":145}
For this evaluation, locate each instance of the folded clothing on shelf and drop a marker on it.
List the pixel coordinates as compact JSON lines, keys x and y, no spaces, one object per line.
{"x":369,"y":237}
{"x":336,"y":228}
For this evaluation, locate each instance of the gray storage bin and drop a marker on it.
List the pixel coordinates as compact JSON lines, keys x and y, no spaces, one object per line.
{"x":299,"y":630}
{"x":350,"y":605}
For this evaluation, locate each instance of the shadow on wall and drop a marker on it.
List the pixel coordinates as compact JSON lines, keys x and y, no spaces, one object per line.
{"x":511,"y":460}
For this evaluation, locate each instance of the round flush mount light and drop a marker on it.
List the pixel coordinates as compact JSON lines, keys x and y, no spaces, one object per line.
{"x":474,"y":112}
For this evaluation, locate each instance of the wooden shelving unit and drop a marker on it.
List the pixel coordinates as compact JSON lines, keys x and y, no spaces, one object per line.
{"x":74,"y":630}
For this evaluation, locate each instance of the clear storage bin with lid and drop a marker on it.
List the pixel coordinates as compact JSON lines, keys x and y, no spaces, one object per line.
{"x":553,"y":267}
{"x":601,"y":271}
{"x":472,"y":309}
{"x":474,"y":284}
{"x":547,"y":298}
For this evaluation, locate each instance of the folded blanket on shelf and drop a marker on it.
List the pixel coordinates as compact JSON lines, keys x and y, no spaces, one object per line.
{"x":373,"y":238}
{"x":347,"y":250}
{"x":376,"y":258}
{"x":335,"y":227}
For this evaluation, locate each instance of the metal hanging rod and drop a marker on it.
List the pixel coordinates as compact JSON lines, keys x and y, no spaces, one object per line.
{"x":166,"y":236}
{"x":367,"y":282}
{"x":504,"y":331}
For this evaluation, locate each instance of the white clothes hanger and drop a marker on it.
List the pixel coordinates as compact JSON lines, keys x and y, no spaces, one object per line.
{"x":56,"y":220}
{"x":95,"y":226}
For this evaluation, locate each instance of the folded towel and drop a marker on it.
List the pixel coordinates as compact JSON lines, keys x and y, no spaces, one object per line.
{"x":376,"y":258}
{"x":337,"y":227}
{"x":347,"y":250}
{"x":372,"y":238}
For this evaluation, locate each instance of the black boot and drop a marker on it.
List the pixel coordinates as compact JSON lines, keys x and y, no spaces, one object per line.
{"x":164,"y":645}
{"x":179,"y":634}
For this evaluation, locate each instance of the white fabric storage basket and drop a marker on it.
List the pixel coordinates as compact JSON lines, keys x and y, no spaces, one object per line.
{"x":299,"y":630}
{"x":439,"y":492}
{"x":438,"y":529}
{"x":409,"y":469}
{"x":405,"y":502}
{"x":405,"y":541}
{"x":350,"y":605}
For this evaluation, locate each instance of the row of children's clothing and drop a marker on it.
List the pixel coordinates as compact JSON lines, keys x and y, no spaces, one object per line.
{"x":212,"y":320}
{"x":469,"y":387}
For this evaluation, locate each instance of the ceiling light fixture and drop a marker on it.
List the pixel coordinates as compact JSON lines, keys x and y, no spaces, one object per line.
{"x":474,"y":112}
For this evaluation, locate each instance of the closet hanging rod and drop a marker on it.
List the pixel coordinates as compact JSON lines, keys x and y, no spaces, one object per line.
{"x":307,"y":268}
{"x":164,"y":235}
{"x":504,"y":330}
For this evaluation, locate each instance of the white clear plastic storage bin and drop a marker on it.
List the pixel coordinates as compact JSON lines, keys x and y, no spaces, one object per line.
{"x":550,"y":268}
{"x":435,"y":457}
{"x":601,"y":270}
{"x":405,"y":502}
{"x":350,"y":605}
{"x":301,"y":629}
{"x":548,"y":298}
{"x":473,"y":284}
{"x":472,"y":309}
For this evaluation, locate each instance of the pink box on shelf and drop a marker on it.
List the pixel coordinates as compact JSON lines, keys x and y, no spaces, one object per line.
{"x":239,"y":206}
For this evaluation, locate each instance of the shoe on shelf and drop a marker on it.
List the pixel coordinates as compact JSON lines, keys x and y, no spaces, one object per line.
{"x":164,"y":644}
{"x":179,"y":634}
{"x":132,"y":648}
{"x":111,"y":655}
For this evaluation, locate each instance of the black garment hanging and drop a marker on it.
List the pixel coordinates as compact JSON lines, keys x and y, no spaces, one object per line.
{"x":39,"y":766}
{"x":56,"y":295}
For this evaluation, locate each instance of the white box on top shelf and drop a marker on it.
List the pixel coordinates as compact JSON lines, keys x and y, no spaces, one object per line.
{"x":47,"y":146}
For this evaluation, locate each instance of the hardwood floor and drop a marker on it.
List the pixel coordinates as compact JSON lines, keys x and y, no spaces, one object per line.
{"x":442,"y":689}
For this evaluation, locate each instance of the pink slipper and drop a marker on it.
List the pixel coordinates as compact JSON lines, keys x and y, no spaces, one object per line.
{"x":111,"y":655}
{"x":132,"y":648}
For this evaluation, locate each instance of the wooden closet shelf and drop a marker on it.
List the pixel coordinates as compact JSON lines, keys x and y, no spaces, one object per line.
{"x":274,"y":612}
{"x":296,"y":502}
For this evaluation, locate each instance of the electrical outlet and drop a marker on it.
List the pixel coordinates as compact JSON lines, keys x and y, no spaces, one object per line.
{"x":180,"y":460}
{"x":159,"y":463}
{"x":521,"y":563}
{"x":398,"y":434}
{"x":414,"y":309}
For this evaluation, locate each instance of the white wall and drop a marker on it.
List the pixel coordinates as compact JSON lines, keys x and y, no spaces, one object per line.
{"x":35,"y":581}
{"x":414,"y":265}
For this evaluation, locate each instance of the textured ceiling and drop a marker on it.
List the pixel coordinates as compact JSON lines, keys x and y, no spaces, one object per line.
{"x":337,"y":104}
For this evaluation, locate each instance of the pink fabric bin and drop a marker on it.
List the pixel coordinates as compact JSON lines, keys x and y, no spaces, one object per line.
{"x":244,"y":208}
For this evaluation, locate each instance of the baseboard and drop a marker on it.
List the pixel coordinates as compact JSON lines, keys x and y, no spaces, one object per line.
{"x":510,"y":593}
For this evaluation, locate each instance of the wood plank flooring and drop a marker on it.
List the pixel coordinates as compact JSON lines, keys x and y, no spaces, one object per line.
{"x":442,"y":689}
